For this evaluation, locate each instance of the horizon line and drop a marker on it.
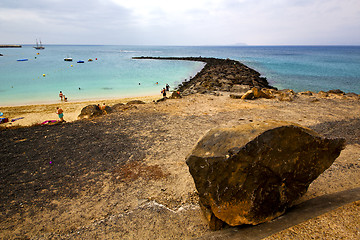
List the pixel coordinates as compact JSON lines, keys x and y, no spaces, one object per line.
{"x":203,"y":45}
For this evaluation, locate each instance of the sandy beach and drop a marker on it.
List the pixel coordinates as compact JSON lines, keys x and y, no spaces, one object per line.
{"x":123,"y":175}
{"x":36,"y":114}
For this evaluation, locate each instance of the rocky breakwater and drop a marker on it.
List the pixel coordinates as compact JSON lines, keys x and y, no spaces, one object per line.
{"x":219,"y":75}
{"x":252,"y":173}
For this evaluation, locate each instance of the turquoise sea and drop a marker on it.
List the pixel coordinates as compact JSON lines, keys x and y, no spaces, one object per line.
{"x":115,"y":74}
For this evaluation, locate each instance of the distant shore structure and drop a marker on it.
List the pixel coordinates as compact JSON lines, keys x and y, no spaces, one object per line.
{"x":10,"y":46}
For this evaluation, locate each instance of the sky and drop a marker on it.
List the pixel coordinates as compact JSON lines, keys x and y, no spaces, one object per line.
{"x":181,"y":22}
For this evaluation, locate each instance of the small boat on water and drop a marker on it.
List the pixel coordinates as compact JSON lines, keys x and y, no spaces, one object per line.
{"x":39,"y":46}
{"x":68,"y":59}
{"x":22,"y":60}
{"x":90,"y":60}
{"x":81,"y":61}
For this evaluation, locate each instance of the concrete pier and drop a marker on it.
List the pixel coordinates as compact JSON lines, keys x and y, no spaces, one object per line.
{"x":10,"y":46}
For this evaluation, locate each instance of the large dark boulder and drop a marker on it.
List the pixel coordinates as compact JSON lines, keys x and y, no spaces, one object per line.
{"x":107,"y":110}
{"x":120,"y":107}
{"x":252,"y":173}
{"x":336,"y":91}
{"x":90,"y":111}
{"x":135,"y":102}
{"x":175,"y":95}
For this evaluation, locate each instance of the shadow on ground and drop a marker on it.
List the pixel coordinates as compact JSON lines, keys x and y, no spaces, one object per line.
{"x":348,"y":129}
{"x":42,"y":163}
{"x":295,"y":215}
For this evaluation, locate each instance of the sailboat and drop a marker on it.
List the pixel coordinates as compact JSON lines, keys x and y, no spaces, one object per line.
{"x":39,"y":46}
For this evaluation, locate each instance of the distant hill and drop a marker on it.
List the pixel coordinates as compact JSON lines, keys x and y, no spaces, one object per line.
{"x":240,"y":44}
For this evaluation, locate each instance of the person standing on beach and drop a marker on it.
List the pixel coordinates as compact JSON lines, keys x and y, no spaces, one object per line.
{"x":61,"y":95}
{"x":60,"y":113}
{"x":103,"y":108}
{"x":163,"y":91}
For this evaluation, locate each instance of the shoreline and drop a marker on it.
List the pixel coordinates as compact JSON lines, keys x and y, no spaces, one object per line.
{"x":152,"y":90}
{"x":217,"y":75}
{"x":33,"y":114}
{"x":51,"y":102}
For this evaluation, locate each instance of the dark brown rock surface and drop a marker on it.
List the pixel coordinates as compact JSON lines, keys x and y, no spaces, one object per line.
{"x":134,"y":102}
{"x":120,"y":107}
{"x":252,"y":173}
{"x":90,"y":111}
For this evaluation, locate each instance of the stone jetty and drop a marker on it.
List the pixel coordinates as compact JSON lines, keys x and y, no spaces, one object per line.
{"x":219,"y":75}
{"x":10,"y":46}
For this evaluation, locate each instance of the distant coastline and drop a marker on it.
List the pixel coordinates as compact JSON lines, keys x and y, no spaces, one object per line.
{"x":10,"y":46}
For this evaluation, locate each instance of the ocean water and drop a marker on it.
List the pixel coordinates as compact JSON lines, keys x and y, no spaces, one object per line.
{"x":115,"y":74}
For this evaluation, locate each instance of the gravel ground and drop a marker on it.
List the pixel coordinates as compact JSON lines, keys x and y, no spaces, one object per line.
{"x":123,"y":175}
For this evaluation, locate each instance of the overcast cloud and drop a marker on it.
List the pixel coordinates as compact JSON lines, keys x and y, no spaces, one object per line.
{"x":186,"y":22}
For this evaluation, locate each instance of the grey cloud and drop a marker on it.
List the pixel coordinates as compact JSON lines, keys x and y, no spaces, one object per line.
{"x":254,"y":22}
{"x":69,"y":10}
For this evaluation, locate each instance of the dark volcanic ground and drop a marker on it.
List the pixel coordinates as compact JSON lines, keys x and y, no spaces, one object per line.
{"x":41,"y":163}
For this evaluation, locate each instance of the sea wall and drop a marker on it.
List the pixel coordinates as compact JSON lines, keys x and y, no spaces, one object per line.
{"x":10,"y":46}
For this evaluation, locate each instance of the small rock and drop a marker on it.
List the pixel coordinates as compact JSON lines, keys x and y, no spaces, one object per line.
{"x":323,"y":94}
{"x":307,"y":93}
{"x":248,"y":95}
{"x":235,"y":96}
{"x":135,"y":102}
{"x":260,"y":94}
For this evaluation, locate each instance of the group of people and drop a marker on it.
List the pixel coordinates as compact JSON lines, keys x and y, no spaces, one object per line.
{"x":62,"y":97}
{"x":165,"y":89}
{"x":102,"y":108}
{"x":60,"y":112}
